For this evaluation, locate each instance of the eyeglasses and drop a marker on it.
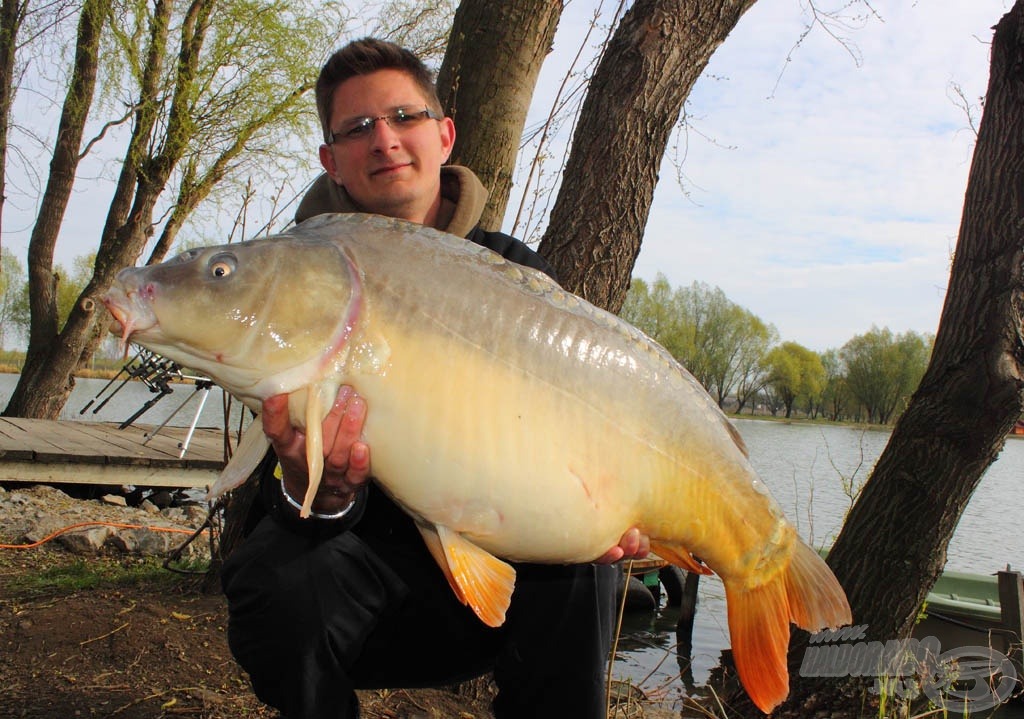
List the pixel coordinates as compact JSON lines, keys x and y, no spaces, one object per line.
{"x":400,"y":120}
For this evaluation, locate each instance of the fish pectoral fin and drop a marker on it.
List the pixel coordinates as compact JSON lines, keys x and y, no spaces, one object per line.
{"x":478,"y":578}
{"x":248,"y":455}
{"x":678,"y":555}
{"x":314,"y":445}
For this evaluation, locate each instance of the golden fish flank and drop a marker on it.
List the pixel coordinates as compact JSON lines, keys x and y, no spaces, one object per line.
{"x":459,"y":391}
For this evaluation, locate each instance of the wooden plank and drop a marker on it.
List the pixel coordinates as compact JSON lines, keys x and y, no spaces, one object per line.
{"x":25,"y":434}
{"x":106,"y":474}
{"x":124,"y":447}
{"x":83,"y":452}
{"x":67,"y":444}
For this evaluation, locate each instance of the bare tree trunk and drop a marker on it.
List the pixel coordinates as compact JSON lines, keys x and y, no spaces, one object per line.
{"x":41,"y":279}
{"x":12,"y":14}
{"x":656,"y":55}
{"x":495,"y":52}
{"x":893,"y":545}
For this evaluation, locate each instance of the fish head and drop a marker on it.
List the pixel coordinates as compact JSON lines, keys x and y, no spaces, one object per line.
{"x":259,"y":318}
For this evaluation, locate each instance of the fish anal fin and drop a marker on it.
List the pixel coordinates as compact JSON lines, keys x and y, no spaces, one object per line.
{"x":484,"y":582}
{"x":759,"y":634}
{"x":248,"y":454}
{"x":678,"y":555}
{"x":436,"y":550}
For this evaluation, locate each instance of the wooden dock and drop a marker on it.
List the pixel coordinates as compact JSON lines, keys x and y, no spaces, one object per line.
{"x":34,"y":450}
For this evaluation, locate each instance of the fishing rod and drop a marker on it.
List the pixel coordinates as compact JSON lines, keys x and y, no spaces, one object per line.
{"x":112,"y":380}
{"x":156,"y":374}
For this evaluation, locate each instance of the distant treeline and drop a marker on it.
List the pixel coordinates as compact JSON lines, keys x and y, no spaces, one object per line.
{"x":741,"y":362}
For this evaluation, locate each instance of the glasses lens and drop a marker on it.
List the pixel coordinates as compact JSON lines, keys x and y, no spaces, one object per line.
{"x":400,"y":120}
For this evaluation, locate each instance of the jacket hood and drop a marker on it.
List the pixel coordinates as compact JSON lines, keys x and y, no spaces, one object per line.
{"x":463,"y":197}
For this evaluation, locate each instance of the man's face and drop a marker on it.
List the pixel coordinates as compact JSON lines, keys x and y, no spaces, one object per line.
{"x":390,"y":170}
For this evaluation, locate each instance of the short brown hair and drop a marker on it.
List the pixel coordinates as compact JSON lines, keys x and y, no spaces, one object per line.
{"x":365,"y":56}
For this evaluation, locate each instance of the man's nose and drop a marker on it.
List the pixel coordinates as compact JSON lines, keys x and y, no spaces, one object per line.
{"x":382,"y":135}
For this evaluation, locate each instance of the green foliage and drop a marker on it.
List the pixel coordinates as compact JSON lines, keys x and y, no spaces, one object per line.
{"x":83,"y":574}
{"x":12,"y":292}
{"x":795,"y":373}
{"x":720,"y":342}
{"x":733,"y":353}
{"x":883,"y":370}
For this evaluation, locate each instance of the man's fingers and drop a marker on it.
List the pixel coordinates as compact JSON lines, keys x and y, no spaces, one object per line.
{"x":630,"y":542}
{"x":276,"y":423}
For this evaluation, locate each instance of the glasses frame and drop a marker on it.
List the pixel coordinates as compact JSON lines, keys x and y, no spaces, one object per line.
{"x":363,"y":126}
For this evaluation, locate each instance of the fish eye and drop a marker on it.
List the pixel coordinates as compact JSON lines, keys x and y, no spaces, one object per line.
{"x":222,"y":265}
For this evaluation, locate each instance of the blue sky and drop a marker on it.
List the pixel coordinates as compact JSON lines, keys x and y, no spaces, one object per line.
{"x":823,"y":192}
{"x":828,"y":196}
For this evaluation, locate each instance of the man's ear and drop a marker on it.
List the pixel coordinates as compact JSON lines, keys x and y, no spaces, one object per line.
{"x":447,"y":128}
{"x":328,"y":163}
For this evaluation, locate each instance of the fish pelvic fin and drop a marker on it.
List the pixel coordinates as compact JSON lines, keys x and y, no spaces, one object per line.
{"x":678,"y":555}
{"x":805,"y":593}
{"x":478,"y":578}
{"x":248,"y":455}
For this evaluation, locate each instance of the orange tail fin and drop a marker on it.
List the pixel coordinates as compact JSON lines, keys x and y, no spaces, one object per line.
{"x":806,"y":593}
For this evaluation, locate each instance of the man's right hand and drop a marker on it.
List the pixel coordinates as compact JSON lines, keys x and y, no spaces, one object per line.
{"x":346,"y":457}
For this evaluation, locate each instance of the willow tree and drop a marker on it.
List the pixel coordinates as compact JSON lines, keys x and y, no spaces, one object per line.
{"x":633,"y":101}
{"x":214,"y":87}
{"x":893,"y":545}
{"x":495,"y":52}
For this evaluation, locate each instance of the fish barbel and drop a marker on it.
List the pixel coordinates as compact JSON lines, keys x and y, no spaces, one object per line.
{"x":508,"y":417}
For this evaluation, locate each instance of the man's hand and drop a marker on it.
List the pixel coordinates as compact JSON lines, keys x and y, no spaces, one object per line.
{"x":346,"y":458}
{"x":633,"y":545}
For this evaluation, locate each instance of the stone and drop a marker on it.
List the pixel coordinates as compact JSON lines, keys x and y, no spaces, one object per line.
{"x":162,"y":499}
{"x":114,"y":499}
{"x":87,"y":541}
{"x":148,"y":507}
{"x":196,"y":514}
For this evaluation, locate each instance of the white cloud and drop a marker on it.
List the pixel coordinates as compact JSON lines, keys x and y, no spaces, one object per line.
{"x":838,"y":200}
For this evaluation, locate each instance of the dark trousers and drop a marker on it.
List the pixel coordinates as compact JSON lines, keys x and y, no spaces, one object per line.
{"x":312,"y":619}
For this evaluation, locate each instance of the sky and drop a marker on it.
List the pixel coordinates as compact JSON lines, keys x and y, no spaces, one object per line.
{"x":823,"y":184}
{"x":823,"y":179}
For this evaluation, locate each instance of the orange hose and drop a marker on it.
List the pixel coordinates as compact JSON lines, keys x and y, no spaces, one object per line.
{"x":93,"y":524}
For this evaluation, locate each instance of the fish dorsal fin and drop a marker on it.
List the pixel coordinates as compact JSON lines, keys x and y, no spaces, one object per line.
{"x":735,"y":434}
{"x":248,"y":455}
{"x":678,"y":555}
{"x":478,"y":578}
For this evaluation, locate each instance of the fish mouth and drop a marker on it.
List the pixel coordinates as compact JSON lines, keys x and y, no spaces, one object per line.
{"x":130,"y":315}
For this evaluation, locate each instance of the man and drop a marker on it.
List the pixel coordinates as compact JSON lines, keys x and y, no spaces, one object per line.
{"x":351,"y":597}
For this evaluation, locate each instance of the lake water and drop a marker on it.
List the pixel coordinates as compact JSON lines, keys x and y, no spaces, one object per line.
{"x":804,"y":466}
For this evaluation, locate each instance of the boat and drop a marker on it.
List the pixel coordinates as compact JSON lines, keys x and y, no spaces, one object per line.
{"x":975,"y":610}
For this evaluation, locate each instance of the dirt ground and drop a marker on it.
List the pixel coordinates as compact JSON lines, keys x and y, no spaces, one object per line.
{"x":140,"y":645}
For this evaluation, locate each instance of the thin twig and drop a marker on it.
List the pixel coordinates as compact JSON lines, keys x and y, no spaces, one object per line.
{"x":103,"y":636}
